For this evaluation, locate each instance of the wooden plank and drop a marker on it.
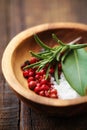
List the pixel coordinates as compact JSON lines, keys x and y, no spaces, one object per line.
{"x":42,"y":122}
{"x":25,"y":118}
{"x":9,"y":103}
{"x":16,"y":17}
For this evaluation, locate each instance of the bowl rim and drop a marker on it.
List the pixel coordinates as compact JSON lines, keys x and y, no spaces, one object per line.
{"x":13,"y":82}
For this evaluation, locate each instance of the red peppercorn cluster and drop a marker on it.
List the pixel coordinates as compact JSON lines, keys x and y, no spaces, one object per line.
{"x":37,"y":81}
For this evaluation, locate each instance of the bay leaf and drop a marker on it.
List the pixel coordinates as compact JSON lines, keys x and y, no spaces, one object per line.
{"x":75,"y":70}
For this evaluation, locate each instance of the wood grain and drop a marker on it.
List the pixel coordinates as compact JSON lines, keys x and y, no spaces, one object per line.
{"x":15,"y":16}
{"x":9,"y":103}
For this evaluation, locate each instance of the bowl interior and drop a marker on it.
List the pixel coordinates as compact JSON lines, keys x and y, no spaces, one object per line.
{"x":21,"y":52}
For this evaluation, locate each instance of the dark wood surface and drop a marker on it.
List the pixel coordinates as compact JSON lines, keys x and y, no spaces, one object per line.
{"x":15,"y":16}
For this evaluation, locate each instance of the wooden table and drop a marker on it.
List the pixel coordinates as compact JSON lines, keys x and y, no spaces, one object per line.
{"x":15,"y":16}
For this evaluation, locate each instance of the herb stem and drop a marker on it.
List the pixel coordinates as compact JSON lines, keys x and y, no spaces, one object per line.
{"x":41,"y":43}
{"x":36,"y":55}
{"x":32,"y":65}
{"x":78,"y":46}
{"x":47,"y":72}
{"x":57,"y":40}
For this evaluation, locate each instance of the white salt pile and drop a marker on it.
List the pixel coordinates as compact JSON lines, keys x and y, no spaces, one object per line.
{"x":65,"y":91}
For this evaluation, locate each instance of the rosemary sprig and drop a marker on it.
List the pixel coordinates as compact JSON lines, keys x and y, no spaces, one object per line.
{"x":53,"y":55}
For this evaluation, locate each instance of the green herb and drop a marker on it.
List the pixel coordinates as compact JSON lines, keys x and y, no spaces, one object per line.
{"x":67,"y":54}
{"x":75,"y":70}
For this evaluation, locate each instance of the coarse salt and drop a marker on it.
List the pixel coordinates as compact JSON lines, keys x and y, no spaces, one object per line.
{"x":65,"y":91}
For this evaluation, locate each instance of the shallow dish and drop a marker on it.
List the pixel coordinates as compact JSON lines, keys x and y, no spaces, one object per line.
{"x":17,"y":52}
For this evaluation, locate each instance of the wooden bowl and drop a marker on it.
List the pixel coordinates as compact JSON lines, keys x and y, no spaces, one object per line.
{"x":17,"y":52}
